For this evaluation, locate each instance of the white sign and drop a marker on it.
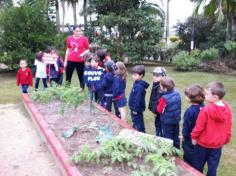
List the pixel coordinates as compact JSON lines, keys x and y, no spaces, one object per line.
{"x":49,"y":58}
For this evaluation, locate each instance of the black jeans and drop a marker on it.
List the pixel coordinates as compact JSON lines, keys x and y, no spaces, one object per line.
{"x":37,"y":83}
{"x":71,"y":66}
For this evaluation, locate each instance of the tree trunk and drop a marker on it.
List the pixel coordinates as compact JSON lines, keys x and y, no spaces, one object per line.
{"x":74,"y":13}
{"x":57,"y":16}
{"x":167,"y":20}
{"x":85,"y":15}
{"x":63,"y":14}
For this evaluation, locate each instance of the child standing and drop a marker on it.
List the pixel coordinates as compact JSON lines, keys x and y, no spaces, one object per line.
{"x":41,"y":72}
{"x":118,"y":90}
{"x":106,"y":84}
{"x":94,"y":62}
{"x":169,"y":108}
{"x":137,"y":98}
{"x":24,"y":76}
{"x":158,"y":74}
{"x":213,"y":129}
{"x":195,"y":96}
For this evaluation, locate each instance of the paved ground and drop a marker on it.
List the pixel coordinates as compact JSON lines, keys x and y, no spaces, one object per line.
{"x":22,"y":150}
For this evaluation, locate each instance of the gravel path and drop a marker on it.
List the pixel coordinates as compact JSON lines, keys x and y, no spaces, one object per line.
{"x":22,"y":150}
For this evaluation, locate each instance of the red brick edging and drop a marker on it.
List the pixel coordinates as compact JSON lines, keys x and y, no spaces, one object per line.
{"x":57,"y":149}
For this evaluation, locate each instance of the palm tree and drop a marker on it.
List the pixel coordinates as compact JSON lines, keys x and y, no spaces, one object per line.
{"x":85,"y":15}
{"x":221,"y":8}
{"x":167,"y":20}
{"x":63,"y":14}
{"x":57,"y":16}
{"x":5,"y":3}
{"x":73,"y":3}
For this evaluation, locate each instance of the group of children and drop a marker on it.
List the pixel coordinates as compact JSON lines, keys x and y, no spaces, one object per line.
{"x":206,"y":128}
{"x":48,"y":73}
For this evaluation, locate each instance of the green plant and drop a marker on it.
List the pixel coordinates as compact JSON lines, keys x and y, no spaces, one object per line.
{"x":185,"y":62}
{"x":68,"y":96}
{"x":25,"y":29}
{"x":210,"y":54}
{"x":174,"y":38}
{"x":156,"y":153}
{"x":230,"y":47}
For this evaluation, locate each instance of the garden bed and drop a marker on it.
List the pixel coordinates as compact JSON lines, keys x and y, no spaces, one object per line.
{"x":52,"y":125}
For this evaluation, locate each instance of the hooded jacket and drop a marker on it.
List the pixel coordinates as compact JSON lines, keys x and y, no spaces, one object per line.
{"x":137,"y":96}
{"x":154,"y":97}
{"x":24,"y":77}
{"x":213,"y":126}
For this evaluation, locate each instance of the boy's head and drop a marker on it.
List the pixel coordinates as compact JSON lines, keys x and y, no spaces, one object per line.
{"x":110,"y":66}
{"x":23,"y":63}
{"x":158,"y":74}
{"x":167,"y":84}
{"x":138,"y":72}
{"x":94,"y":61}
{"x":195,"y":94}
{"x":214,"y":92}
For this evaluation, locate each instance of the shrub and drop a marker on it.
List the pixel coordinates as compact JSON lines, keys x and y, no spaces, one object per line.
{"x":210,"y":54}
{"x":174,"y":39}
{"x":185,"y":62}
{"x":168,"y":52}
{"x":24,"y":30}
{"x":231,"y":47}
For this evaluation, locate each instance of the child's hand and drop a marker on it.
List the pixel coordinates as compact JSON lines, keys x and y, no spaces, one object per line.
{"x":194,"y":141}
{"x":135,"y":113}
{"x":181,"y":138}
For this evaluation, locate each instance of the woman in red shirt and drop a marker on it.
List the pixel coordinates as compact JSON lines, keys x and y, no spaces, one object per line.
{"x":77,"y":45}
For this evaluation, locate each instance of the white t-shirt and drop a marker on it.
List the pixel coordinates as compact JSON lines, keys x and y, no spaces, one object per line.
{"x":40,"y":69}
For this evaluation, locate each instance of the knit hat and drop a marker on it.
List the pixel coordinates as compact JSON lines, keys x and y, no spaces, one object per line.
{"x":159,"y":71}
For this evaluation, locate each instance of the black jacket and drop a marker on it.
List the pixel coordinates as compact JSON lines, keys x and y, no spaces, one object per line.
{"x":154,"y":97}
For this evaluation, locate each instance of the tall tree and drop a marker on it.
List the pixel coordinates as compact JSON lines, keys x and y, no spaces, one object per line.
{"x":63,"y":14}
{"x":73,"y":3}
{"x":221,"y":8}
{"x":5,"y":3}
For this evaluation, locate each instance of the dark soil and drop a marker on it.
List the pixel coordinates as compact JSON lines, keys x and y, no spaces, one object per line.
{"x":85,"y":135}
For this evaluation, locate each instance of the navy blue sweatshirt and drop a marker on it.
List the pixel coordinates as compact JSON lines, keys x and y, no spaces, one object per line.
{"x":118,"y":87}
{"x":137,"y":96}
{"x":190,"y":117}
{"x":106,"y":83}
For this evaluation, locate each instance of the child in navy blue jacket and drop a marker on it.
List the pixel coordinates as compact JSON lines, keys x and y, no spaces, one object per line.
{"x":137,"y":98}
{"x":158,"y":74}
{"x":169,"y":108}
{"x":118,"y":90}
{"x":195,"y":96}
{"x":106,"y":84}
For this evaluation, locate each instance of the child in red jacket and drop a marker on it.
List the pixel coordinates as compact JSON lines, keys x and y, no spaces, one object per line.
{"x":213,"y":129}
{"x":24,"y":76}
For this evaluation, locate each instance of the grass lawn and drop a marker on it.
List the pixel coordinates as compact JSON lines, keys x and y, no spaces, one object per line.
{"x":9,"y":93}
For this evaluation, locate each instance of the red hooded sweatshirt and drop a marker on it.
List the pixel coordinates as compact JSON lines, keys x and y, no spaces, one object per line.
{"x":213,"y":126}
{"x":24,"y":77}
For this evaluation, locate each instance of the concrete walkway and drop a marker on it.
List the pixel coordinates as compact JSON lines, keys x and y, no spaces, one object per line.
{"x":22,"y":150}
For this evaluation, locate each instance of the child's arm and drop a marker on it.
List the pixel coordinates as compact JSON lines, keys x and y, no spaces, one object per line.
{"x":229,"y":130}
{"x":161,"y":105}
{"x":18,"y":78}
{"x":187,"y":124}
{"x":200,"y":125}
{"x":137,"y":100}
{"x":30,"y":78}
